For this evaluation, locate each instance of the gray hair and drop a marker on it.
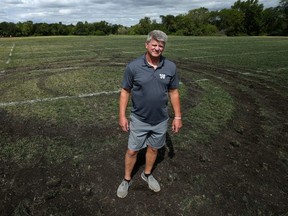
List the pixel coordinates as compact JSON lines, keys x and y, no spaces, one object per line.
{"x":157,"y":35}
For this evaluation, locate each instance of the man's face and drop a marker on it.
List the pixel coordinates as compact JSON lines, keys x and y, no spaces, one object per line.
{"x":155,"y":48}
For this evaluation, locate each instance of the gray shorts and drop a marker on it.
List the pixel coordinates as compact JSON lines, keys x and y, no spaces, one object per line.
{"x":142,"y":134}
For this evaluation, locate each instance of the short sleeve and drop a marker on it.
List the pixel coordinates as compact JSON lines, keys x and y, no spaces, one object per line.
{"x":174,"y":82}
{"x":127,"y":82}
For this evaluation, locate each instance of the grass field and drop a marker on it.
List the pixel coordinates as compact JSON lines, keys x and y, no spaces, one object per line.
{"x":61,"y":150}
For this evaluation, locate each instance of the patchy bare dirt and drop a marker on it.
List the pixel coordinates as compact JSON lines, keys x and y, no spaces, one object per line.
{"x":243,"y":170}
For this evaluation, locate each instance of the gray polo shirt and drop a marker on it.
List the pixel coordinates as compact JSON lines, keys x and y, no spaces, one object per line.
{"x":149,"y":88}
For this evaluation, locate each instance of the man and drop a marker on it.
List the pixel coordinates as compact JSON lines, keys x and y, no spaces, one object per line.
{"x":151,"y":80}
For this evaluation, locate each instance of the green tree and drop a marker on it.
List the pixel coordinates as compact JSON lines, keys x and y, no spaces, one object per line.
{"x":194,"y":23}
{"x":252,"y":15}
{"x":58,"y":29}
{"x":42,"y":29}
{"x":199,"y":16}
{"x":231,"y":22}
{"x":284,"y":9}
{"x":122,"y":30}
{"x":273,"y":21}
{"x":8,"y":29}
{"x":284,"y":6}
{"x":26,"y":28}
{"x":143,"y":27}
{"x":82,"y":28}
{"x":169,"y":23}
{"x":200,"y":19}
{"x":102,"y":28}
{"x":185,"y":26}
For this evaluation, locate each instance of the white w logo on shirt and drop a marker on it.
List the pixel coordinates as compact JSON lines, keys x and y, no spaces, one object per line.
{"x":162,"y":76}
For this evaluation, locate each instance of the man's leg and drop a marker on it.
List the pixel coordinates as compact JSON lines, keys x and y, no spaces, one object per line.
{"x":130,"y":160}
{"x":146,"y":175}
{"x":151,"y":156}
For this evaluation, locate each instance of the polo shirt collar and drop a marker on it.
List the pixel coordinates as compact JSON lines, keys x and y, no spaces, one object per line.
{"x":161,"y":63}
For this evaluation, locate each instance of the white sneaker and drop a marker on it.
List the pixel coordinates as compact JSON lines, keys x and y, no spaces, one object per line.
{"x":152,"y":182}
{"x":122,"y":190}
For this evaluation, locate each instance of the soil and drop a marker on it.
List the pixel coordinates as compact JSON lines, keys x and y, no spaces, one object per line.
{"x":243,"y":170}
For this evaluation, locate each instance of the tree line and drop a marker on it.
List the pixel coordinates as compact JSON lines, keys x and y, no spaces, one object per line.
{"x":243,"y":18}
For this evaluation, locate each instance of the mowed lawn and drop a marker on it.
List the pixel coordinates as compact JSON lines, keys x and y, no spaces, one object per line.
{"x":74,"y":81}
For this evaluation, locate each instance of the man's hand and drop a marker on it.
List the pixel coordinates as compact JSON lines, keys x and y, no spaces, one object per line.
{"x":176,"y":125}
{"x":124,"y":124}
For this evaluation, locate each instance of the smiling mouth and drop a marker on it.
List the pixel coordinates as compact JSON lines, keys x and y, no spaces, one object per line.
{"x":156,"y":52}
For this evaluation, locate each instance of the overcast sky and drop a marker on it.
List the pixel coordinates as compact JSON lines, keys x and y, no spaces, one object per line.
{"x":124,"y":12}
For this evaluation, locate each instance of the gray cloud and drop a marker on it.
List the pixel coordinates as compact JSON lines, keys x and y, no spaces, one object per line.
{"x":124,"y":12}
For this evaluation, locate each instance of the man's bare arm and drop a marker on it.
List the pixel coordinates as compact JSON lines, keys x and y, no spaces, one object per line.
{"x":123,"y":103}
{"x":175,"y":101}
